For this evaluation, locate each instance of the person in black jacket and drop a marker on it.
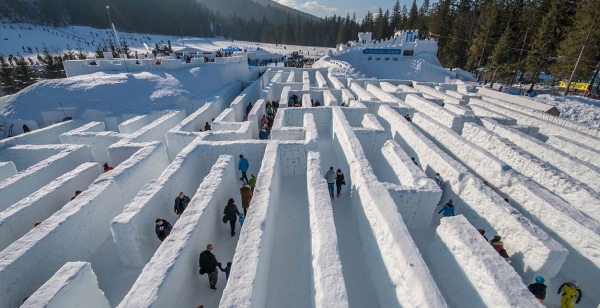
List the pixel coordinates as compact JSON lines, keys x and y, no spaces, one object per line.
{"x":163,"y":229}
{"x":208,"y":264}
{"x":339,"y":181}
{"x":538,"y":289}
{"x":230,"y":212}
{"x":181,"y":202}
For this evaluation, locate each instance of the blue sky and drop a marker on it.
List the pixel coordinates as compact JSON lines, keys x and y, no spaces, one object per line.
{"x":322,"y":8}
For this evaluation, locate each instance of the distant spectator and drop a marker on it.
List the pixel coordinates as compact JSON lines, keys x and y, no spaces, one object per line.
{"x":107,"y":167}
{"x":243,"y":166}
{"x":77,"y":192}
{"x":244,"y":118}
{"x":538,"y":289}
{"x":207,"y":127}
{"x":330,"y":177}
{"x":26,"y":129}
{"x":37,"y":223}
{"x":448,"y":209}
{"x":163,"y":229}
{"x":439,"y":180}
{"x":230,"y":212}
{"x":208,"y":265}
{"x":246,"y":193}
{"x":506,"y":199}
{"x":499,"y":246}
{"x":482,"y":232}
{"x":317,"y":104}
{"x":226,"y":270}
{"x":407,"y":117}
{"x":252,"y":182}
{"x":414,"y":161}
{"x":181,"y":203}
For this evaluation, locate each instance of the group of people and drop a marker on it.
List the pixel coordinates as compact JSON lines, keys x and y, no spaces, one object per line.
{"x":207,"y":261}
{"x":334,"y":178}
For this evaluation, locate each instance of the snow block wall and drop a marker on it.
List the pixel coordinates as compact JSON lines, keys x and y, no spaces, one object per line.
{"x":19,"y":218}
{"x":576,"y":193}
{"x":440,"y":114}
{"x":33,"y":259}
{"x":94,"y":135}
{"x":7,"y":169}
{"x":171,"y":277}
{"x":448,"y":99}
{"x":330,"y":289}
{"x":538,"y":252}
{"x":485,"y":112}
{"x":417,"y":196}
{"x":46,"y":135}
{"x":25,"y":156}
{"x":255,"y":245}
{"x":35,"y":177}
{"x":135,"y":123}
{"x":575,"y":149}
{"x":574,"y":167}
{"x":473,"y":273}
{"x":73,"y":285}
{"x":400,"y":258}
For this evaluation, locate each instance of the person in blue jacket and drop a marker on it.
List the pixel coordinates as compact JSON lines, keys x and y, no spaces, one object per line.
{"x":448,"y":209}
{"x":243,"y":167}
{"x":226,"y":270}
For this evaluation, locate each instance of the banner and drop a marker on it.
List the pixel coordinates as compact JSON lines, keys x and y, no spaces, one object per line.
{"x":371,"y":51}
{"x":580,"y":86}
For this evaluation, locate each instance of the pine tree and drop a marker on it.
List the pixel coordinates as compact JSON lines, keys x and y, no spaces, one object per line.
{"x":485,"y":35}
{"x":463,"y":27}
{"x":99,"y":51}
{"x":70,"y":54}
{"x":586,"y":16}
{"x":49,"y":62}
{"x":6,"y":76}
{"x":440,"y":18}
{"x":396,"y":18}
{"x":413,"y":16}
{"x":423,"y":16}
{"x":81,"y":54}
{"x":403,"y":18}
{"x":23,"y":74}
{"x":288,"y":31}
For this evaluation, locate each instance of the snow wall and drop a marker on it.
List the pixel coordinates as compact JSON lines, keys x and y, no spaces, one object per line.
{"x":170,"y":278}
{"x":19,"y":218}
{"x":34,"y":258}
{"x":395,"y":255}
{"x":534,"y":251}
{"x":73,"y":285}
{"x":473,"y":273}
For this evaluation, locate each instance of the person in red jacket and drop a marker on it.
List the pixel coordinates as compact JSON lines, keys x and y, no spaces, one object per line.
{"x":499,"y":246}
{"x":107,"y":168}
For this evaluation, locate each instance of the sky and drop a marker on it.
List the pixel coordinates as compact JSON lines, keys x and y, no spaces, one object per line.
{"x":324,"y":8}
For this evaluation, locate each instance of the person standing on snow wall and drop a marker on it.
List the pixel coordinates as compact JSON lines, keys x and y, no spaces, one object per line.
{"x":243,"y":166}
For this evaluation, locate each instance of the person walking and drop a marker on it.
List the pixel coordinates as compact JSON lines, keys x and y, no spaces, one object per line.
{"x":252,"y":182}
{"x":181,"y":203}
{"x":570,"y":290}
{"x":163,"y":229}
{"x":439,"y":180}
{"x":448,"y":209}
{"x":243,"y":166}
{"x":246,"y":192}
{"x":339,"y":181}
{"x":330,"y":178}
{"x":208,"y":264}
{"x":538,"y":288}
{"x":248,"y":108}
{"x":226,"y":270}
{"x":498,"y":245}
{"x":230,"y":212}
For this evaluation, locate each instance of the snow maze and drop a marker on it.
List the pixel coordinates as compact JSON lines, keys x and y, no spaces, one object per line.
{"x":382,"y":243}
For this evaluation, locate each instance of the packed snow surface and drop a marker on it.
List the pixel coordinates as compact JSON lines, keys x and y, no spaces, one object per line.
{"x":585,"y":110}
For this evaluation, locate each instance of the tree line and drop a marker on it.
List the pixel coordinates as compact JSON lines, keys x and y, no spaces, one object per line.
{"x":511,"y":40}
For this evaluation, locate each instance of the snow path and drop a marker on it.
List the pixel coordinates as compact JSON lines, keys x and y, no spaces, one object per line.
{"x":224,"y":248}
{"x":359,"y":285}
{"x":290,"y":272}
{"x":114,"y":279}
